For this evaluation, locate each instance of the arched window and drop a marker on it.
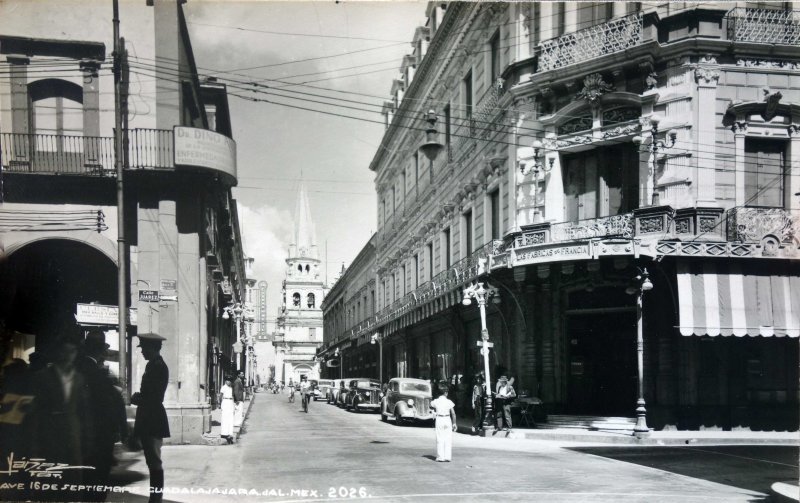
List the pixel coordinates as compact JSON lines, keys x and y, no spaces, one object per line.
{"x":299,"y":268}
{"x":308,"y":268}
{"x":296,"y":299}
{"x":56,"y":108}
{"x":311,"y":300}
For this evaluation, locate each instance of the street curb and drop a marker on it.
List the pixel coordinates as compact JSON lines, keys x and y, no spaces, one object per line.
{"x":215,"y":439}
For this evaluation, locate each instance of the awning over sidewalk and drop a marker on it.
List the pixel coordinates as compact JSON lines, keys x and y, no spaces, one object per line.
{"x":736,"y":302}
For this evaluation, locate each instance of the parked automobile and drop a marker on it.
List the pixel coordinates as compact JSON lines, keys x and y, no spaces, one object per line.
{"x":407,"y":400}
{"x":363,"y":394}
{"x":323,"y":386}
{"x":342,"y":393}
{"x":315,"y":392}
{"x":333,"y":391}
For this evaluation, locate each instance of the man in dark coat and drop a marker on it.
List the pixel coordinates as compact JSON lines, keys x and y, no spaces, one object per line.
{"x":107,"y":410}
{"x":151,"y":418}
{"x":238,"y":398}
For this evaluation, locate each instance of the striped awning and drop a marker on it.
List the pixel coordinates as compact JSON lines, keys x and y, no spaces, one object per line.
{"x":729,"y":301}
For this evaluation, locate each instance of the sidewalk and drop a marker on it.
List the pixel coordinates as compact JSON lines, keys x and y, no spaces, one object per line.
{"x":213,"y":437}
{"x":706,"y":437}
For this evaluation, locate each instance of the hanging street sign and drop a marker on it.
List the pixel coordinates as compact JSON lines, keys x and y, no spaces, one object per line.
{"x":149,"y":296}
{"x":99,"y":314}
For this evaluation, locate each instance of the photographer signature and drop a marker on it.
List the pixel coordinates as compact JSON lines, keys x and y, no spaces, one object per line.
{"x":38,"y":467}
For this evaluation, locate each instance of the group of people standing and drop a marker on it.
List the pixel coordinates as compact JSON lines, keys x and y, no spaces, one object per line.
{"x":231,"y":401}
{"x":504,"y":395}
{"x":67,"y":409}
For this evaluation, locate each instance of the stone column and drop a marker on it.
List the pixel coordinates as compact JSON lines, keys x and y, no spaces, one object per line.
{"x":793,"y":185}
{"x":91,"y":97}
{"x":706,"y":75}
{"x":20,"y":112}
{"x":739,"y":135}
{"x":546,"y":20}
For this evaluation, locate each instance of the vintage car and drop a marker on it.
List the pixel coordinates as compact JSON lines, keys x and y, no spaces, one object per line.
{"x":315,"y":392}
{"x":341,"y":394}
{"x":363,"y":394}
{"x":407,"y":400}
{"x":333,"y":392}
{"x":323,"y":387}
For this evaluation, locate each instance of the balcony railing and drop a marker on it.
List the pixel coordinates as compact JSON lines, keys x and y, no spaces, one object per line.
{"x":764,"y":26}
{"x":83,"y":155}
{"x":460,"y":273}
{"x":583,"y":45}
{"x":752,"y":225}
{"x":621,"y":226}
{"x":50,"y":153}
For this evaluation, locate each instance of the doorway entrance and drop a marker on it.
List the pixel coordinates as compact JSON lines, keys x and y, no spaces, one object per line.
{"x":602,"y":372}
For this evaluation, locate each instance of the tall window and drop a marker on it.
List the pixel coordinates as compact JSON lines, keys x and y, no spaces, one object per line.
{"x":296,"y":299}
{"x":494,"y":54}
{"x":601,"y":182}
{"x":764,"y":162}
{"x":447,"y":126}
{"x":494,"y":207}
{"x":311,"y":300}
{"x":416,"y":271}
{"x":429,"y":260}
{"x":446,"y":254}
{"x":468,"y":94}
{"x":467,"y":219}
{"x":403,"y":280}
{"x":394,"y":200}
{"x":559,"y":19}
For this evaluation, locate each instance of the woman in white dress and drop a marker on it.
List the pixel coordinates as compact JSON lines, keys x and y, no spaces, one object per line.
{"x":445,"y":425}
{"x":226,"y":397}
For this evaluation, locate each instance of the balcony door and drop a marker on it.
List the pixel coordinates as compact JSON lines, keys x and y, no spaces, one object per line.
{"x":601,"y":182}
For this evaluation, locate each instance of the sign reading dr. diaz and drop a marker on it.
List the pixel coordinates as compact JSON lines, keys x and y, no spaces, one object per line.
{"x":201,"y":148}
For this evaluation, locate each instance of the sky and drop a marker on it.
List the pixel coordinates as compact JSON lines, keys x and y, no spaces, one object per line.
{"x":277,"y":146}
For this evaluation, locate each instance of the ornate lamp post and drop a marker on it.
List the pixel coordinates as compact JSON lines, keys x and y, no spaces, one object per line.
{"x":641,"y":283}
{"x":481,"y":295}
{"x":654,"y":146}
{"x":535,"y":167}
{"x":336,"y":354}
{"x":431,"y":148}
{"x":236,"y":310}
{"x":377,"y":338}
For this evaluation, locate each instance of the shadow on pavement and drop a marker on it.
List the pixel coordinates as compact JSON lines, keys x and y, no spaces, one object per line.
{"x":750,"y":467}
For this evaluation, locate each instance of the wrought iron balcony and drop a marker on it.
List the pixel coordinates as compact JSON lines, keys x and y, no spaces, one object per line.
{"x":764,"y":26}
{"x":83,"y":155}
{"x":590,"y":43}
{"x":621,"y":226}
{"x":754,"y":225}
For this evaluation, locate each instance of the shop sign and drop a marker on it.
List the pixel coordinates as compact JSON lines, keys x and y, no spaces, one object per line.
{"x":553,"y":254}
{"x":202,"y":148}
{"x":99,"y":314}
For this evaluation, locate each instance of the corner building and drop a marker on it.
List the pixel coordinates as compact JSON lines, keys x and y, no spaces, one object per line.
{"x":586,"y":143}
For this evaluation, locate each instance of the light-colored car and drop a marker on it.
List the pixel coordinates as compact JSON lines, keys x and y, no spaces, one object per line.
{"x":333,"y":392}
{"x":323,"y":387}
{"x":407,"y":400}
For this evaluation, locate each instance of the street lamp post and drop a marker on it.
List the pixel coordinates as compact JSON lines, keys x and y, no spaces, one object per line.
{"x":641,"y":284}
{"x":535,"y":167}
{"x":481,"y":295}
{"x":377,"y":338}
{"x":341,"y":362}
{"x":654,"y":146}
{"x":236,"y":310}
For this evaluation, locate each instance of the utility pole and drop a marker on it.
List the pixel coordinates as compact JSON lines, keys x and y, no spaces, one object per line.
{"x":122,"y":301}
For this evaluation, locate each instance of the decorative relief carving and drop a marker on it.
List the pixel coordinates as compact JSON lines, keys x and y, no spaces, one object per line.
{"x":593,"y":87}
{"x":756,"y":63}
{"x":618,"y":225}
{"x":739,"y":127}
{"x":574,"y":125}
{"x":621,"y":114}
{"x":651,"y":224}
{"x":793,"y":129}
{"x":531,"y":238}
{"x":752,"y":225}
{"x":707,"y":224}
{"x":651,"y":81}
{"x":575,"y":140}
{"x":622,"y":131}
{"x":682,"y":226}
{"x":707,"y":70}
{"x":772,"y":100}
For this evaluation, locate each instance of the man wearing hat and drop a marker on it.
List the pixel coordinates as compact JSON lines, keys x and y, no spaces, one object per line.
{"x":151,"y":418}
{"x":107,"y":410}
{"x":505,"y":395}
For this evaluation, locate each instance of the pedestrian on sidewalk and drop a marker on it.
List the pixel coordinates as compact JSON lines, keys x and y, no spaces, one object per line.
{"x":477,"y":403}
{"x":238,"y":400}
{"x":107,"y":409}
{"x":505,"y":395}
{"x":445,"y":424}
{"x":151,"y":424}
{"x":226,"y":411}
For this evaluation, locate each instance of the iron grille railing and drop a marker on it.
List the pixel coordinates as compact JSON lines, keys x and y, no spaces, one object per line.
{"x":51,"y":153}
{"x":83,"y":155}
{"x":764,"y":26}
{"x":752,"y":225}
{"x":583,"y":45}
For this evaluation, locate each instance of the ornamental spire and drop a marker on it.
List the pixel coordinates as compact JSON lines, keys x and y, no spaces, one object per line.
{"x":304,"y":240}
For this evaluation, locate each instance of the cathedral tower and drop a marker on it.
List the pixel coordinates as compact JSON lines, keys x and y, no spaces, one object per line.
{"x":300,"y":315}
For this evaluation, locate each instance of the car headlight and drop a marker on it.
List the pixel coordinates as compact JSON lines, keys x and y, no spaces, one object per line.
{"x":410,"y":402}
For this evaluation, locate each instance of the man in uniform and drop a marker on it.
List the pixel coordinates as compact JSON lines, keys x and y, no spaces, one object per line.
{"x":151,"y":418}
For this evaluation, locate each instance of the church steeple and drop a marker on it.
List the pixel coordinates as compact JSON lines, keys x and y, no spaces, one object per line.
{"x":305,"y":245}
